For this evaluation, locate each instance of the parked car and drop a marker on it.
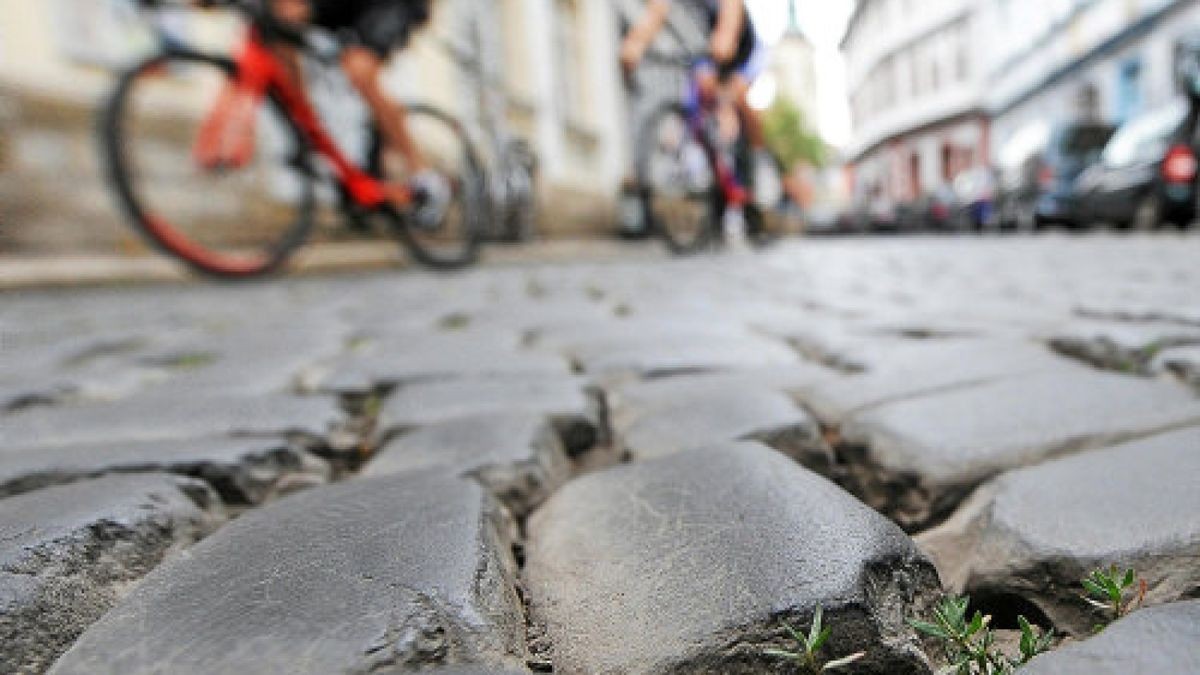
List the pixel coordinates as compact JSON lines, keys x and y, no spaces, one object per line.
{"x":932,"y":211}
{"x":1038,"y":168}
{"x":871,"y":211}
{"x":883,"y":215}
{"x":822,"y":218}
{"x":1147,"y":174}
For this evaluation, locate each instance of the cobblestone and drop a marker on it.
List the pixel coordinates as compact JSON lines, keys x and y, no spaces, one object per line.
{"x":519,"y":457}
{"x":513,"y":469}
{"x":242,"y":470}
{"x":67,"y":553}
{"x":1160,"y":640}
{"x":176,"y":416}
{"x":941,"y":446}
{"x":375,"y":574}
{"x":1036,"y":532}
{"x":728,"y":414}
{"x":690,"y":563}
{"x":575,"y":413}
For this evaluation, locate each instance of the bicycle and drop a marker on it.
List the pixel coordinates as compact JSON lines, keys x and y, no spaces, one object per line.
{"x":512,"y":173}
{"x":244,"y":216}
{"x":690,"y":171}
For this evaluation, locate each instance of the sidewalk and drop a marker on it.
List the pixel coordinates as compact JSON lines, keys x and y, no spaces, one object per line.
{"x":74,"y":270}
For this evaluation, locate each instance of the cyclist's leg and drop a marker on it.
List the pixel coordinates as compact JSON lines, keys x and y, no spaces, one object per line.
{"x":766,"y":184}
{"x":738,"y":85}
{"x":739,"y":91}
{"x":363,"y":66}
{"x":381,"y":27}
{"x":226,"y":137}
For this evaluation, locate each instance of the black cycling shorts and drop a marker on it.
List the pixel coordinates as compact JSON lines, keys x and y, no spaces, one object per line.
{"x":379,"y":25}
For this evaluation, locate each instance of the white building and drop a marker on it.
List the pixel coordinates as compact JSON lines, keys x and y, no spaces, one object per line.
{"x":1110,"y":59}
{"x":939,"y":86}
{"x":916,"y":80}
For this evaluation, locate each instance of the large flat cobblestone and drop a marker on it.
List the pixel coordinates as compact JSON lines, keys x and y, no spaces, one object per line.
{"x":691,"y":563}
{"x":374,"y":574}
{"x":68,"y":553}
{"x":1036,"y":532}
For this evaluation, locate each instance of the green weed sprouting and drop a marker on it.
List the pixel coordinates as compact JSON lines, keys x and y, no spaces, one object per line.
{"x":1111,"y":592}
{"x":808,"y":657}
{"x":970,"y":645}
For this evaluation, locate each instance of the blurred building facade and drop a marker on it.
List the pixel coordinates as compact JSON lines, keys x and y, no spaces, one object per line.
{"x":549,"y":63}
{"x":915,"y":77}
{"x":936,"y":86}
{"x":1107,"y":59}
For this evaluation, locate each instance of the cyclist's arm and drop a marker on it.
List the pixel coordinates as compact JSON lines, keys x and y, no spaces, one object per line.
{"x":644,"y":31}
{"x":727,"y":34}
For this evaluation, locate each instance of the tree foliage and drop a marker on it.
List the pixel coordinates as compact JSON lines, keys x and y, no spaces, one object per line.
{"x":790,"y":137}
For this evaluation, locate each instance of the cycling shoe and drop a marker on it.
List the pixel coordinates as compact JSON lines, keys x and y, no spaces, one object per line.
{"x":431,"y":198}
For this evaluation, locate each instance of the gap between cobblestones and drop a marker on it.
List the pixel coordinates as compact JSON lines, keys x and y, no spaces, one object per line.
{"x":1103,"y":353}
{"x":364,"y":410}
{"x":1135,"y":317}
{"x":901,"y":496}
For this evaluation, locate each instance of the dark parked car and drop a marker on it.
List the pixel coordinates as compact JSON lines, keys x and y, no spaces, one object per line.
{"x":1038,"y":168}
{"x":1147,"y":174}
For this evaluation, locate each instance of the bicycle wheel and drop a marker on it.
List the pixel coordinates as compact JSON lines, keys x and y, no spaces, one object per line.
{"x":224,"y":213}
{"x":682,"y":197}
{"x":452,"y":240}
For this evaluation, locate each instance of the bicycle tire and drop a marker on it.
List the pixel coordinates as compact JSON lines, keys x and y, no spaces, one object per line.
{"x":129,"y":186}
{"x":467,"y":179}
{"x":709,"y":201}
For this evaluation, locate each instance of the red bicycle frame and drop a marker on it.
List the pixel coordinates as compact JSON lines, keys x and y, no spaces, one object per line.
{"x":699,"y":110}
{"x":261,"y":72}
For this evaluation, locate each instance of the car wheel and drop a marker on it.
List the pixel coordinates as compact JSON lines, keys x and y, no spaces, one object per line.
{"x":1148,"y":215}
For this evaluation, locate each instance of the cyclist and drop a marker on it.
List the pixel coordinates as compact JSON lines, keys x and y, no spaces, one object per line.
{"x":369,"y":31}
{"x":739,"y":56}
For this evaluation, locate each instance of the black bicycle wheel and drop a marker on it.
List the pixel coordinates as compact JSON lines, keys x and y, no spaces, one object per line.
{"x":452,"y":240}
{"x":682,"y":196}
{"x":172,"y":162}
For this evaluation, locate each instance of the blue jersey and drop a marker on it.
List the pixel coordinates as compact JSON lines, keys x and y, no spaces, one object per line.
{"x":709,"y":11}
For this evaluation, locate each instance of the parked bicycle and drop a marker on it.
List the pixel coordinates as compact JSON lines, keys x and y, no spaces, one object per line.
{"x":247,"y":217}
{"x":695,"y":165}
{"x":512,"y":170}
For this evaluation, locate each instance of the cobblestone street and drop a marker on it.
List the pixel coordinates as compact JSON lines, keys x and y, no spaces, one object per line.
{"x":619,"y":467}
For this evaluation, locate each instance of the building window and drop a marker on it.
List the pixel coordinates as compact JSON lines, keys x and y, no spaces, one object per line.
{"x":1129,"y":90}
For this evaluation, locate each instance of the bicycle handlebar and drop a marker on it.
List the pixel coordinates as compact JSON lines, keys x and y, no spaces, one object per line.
{"x":684,"y":61}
